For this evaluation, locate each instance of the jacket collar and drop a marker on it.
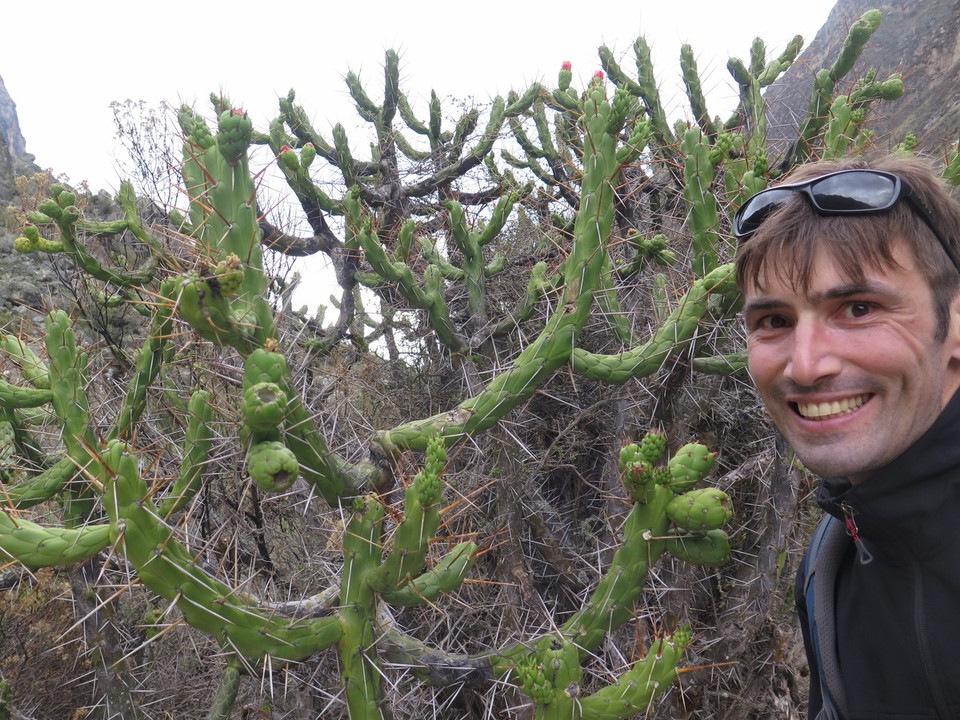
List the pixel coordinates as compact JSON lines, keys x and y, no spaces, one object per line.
{"x":901,"y":500}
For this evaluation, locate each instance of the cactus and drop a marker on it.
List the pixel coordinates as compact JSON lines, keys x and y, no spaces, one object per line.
{"x":216,"y":403}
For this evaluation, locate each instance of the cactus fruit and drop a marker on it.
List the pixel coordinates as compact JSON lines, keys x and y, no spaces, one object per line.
{"x":689,"y":465}
{"x":264,"y":408}
{"x":700,"y":510}
{"x":272,"y":466}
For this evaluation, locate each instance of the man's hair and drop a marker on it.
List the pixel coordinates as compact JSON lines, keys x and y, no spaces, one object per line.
{"x":785,"y":244}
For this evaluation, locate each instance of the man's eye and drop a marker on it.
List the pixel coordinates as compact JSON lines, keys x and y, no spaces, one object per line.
{"x":772,"y":322}
{"x":858,"y":309}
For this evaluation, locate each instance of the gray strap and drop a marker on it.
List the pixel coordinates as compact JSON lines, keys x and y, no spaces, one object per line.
{"x":834,"y":547}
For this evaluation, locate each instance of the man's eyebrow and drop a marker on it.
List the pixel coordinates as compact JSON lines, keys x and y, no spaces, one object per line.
{"x":839,"y":292}
{"x":763,"y":304}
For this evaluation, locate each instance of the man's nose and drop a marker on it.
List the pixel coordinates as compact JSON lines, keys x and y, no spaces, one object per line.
{"x":814,"y":355}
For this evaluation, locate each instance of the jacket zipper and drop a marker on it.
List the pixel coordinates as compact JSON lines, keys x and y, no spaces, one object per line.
{"x":864,"y":556}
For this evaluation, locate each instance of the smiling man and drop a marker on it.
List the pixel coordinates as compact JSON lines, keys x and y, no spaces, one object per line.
{"x":851,"y":278}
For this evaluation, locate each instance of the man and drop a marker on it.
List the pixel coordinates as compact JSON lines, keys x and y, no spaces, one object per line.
{"x":851,"y":279}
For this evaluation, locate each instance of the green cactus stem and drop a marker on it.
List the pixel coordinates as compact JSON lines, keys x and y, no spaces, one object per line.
{"x":37,"y":546}
{"x":444,"y":577}
{"x":34,"y":370}
{"x":68,"y":378}
{"x":703,"y":217}
{"x":360,"y":675}
{"x":826,"y":81}
{"x":421,"y":518}
{"x":41,"y":487}
{"x":694,"y":88}
{"x":146,"y":370}
{"x":635,"y":690}
{"x":223,"y":217}
{"x":199,"y":437}
{"x":670,"y":339}
{"x":226,"y":695}
{"x":167,"y":568}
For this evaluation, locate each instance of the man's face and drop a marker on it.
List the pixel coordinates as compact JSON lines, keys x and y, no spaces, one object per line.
{"x":851,"y":373}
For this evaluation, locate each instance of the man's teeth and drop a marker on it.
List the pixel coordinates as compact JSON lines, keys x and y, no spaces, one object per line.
{"x":824,"y":410}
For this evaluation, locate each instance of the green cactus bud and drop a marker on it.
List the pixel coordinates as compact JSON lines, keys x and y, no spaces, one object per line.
{"x":235,"y":131}
{"x":228,"y":274}
{"x":31,"y":232}
{"x":689,"y":465}
{"x":700,"y":510}
{"x":24,"y":245}
{"x":532,"y":680}
{"x":652,"y":446}
{"x":566,"y":74}
{"x":629,"y":454}
{"x":272,"y":466}
{"x":307,"y":153}
{"x":681,"y":637}
{"x":288,"y":158}
{"x":264,"y":407}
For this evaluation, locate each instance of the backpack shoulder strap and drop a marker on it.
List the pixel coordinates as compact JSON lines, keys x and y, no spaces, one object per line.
{"x":824,"y":555}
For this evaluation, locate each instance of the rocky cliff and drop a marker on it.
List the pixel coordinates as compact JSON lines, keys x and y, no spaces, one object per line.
{"x":918,"y":39}
{"x":14,"y":158}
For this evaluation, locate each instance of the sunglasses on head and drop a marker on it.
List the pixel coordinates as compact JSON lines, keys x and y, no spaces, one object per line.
{"x":846,"y":192}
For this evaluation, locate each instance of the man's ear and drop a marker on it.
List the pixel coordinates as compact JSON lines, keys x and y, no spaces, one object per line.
{"x":953,"y":331}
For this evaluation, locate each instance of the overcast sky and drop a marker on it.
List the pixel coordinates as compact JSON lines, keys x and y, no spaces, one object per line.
{"x":64,"y":62}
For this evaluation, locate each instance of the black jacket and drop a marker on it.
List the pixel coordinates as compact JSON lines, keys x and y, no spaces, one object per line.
{"x":898,"y":616}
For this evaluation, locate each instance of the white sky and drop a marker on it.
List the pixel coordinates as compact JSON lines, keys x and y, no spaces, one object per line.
{"x":64,"y":62}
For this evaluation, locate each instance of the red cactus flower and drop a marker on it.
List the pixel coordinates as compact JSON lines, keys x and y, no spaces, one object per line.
{"x":598,"y":75}
{"x":285,"y":148}
{"x":240,"y":112}
{"x":566,"y":65}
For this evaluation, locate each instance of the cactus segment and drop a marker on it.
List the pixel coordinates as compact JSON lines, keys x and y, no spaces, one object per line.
{"x":234,"y":133}
{"x":41,"y":487}
{"x":634,"y":690}
{"x":709,"y":548}
{"x":689,"y":465}
{"x":420,"y":522}
{"x":445,"y":577}
{"x":15,"y":396}
{"x":34,"y":370}
{"x":36,"y":546}
{"x":272,"y":466}
{"x":700,"y":510}
{"x":68,"y":378}
{"x":671,"y":338}
{"x":264,"y":408}
{"x":196,"y":450}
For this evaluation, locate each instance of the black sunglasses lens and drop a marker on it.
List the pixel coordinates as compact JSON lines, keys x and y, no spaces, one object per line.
{"x":757,"y":209}
{"x":854,"y":192}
